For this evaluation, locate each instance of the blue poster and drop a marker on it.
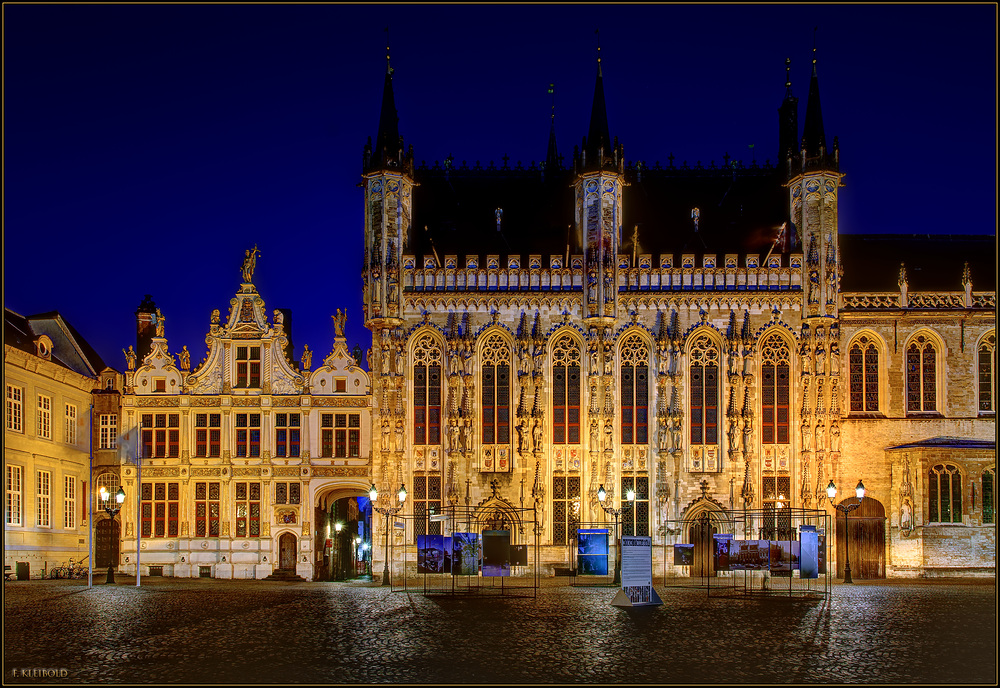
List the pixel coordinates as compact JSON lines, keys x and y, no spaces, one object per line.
{"x":496,"y":552}
{"x":808,"y":552}
{"x":465,"y":554}
{"x":592,"y":552}
{"x":430,"y":554}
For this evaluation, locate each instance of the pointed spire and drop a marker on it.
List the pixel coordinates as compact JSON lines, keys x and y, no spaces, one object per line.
{"x":552,"y":154}
{"x":387,"y":151}
{"x":788,"y":118}
{"x":598,"y":135}
{"x":813,"y":135}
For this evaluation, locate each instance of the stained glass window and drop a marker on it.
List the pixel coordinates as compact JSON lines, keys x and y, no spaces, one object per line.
{"x":775,"y":394}
{"x":565,"y":508}
{"x":864,"y":371}
{"x":944,"y":490}
{"x":921,"y":383}
{"x":635,"y":390}
{"x":496,"y":390}
{"x":704,"y":391}
{"x":987,"y":373}
{"x":566,"y":391}
{"x":427,"y":391}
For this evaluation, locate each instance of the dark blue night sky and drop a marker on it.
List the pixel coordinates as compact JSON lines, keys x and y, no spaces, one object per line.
{"x":148,"y":146}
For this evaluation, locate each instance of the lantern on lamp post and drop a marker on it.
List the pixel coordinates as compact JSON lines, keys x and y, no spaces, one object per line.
{"x":859,"y":491}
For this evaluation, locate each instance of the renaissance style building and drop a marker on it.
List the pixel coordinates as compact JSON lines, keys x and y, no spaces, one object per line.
{"x":703,"y":336}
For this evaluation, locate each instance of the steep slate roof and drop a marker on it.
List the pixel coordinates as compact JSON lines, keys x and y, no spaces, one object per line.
{"x":741,"y":210}
{"x":69,"y":349}
{"x":933,"y":262}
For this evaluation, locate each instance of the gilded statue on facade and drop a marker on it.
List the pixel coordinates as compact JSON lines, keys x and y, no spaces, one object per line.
{"x":160,"y":323}
{"x":307,"y":357}
{"x":129,"y":357}
{"x":339,"y":323}
{"x":250,"y":264}
{"x":185,"y":358}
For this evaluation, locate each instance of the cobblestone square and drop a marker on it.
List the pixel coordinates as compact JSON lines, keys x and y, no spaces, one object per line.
{"x":252,"y":632}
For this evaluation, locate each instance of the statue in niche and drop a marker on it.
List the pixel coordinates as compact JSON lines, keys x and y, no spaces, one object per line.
{"x":609,"y":359}
{"x":399,"y":435}
{"x":536,"y":432}
{"x":661,"y":438}
{"x":595,"y":432}
{"x":453,"y":439}
{"x":185,"y":358}
{"x":522,"y":435}
{"x":834,"y":357}
{"x":734,"y":435}
{"x":386,"y":431}
{"x":608,"y":436}
{"x":806,"y":435}
{"x":454,"y":362}
{"x":307,"y":357}
{"x":835,"y":436}
{"x":339,"y":323}
{"x":820,"y":436}
{"x":804,"y":356}
{"x":820,"y":359}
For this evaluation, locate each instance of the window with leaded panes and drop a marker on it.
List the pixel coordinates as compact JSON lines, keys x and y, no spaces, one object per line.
{"x":109,"y":431}
{"x":69,"y":501}
{"x":43,"y":498}
{"x":705,"y":379}
{"x":340,"y":435}
{"x":247,"y":366}
{"x":207,"y":435}
{"x":426,"y":503}
{"x":775,"y":389}
{"x":565,"y":508}
{"x":160,"y":435}
{"x":286,"y":434}
{"x":15,"y":476}
{"x":287,"y":493}
{"x":566,"y":382}
{"x":69,"y":424}
{"x":247,"y":509}
{"x":635,"y":514}
{"x":15,"y":408}
{"x":776,"y":521}
{"x":43,"y":419}
{"x":634,"y":356}
{"x":944,"y":494}
{"x":247,"y":434}
{"x":160,"y":507}
{"x":986,"y":374}
{"x":863,"y":369}
{"x":427,"y":391}
{"x":921,"y":375}
{"x":207,"y":509}
{"x":989,"y":506}
{"x":495,"y":392}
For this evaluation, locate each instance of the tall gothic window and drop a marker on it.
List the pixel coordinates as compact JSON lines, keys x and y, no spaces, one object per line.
{"x":921,"y":371}
{"x":704,"y":391}
{"x":774,"y":393}
{"x":427,"y":391}
{"x":776,"y":521}
{"x":496,"y":390}
{"x":566,"y":391}
{"x":987,"y":374}
{"x":635,"y":514}
{"x":944,"y":491}
{"x":635,"y":390}
{"x":565,"y":508}
{"x":863,"y":362}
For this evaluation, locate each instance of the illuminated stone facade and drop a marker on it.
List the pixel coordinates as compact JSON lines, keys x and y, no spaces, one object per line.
{"x":690,"y":332}
{"x":242,"y":455}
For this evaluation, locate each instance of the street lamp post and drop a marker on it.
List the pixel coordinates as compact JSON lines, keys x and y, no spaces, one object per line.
{"x":112,"y":508}
{"x":831,"y":492}
{"x":601,"y":496}
{"x":337,"y":527}
{"x":387,"y":511}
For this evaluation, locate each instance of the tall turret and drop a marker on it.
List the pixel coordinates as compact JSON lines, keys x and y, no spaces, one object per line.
{"x":599,"y":168}
{"x":388,"y":184}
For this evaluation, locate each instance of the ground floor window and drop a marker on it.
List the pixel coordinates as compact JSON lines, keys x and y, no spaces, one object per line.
{"x":944,"y":494}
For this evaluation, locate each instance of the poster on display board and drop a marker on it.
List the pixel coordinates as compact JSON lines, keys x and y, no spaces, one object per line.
{"x":637,"y":573}
{"x":720,"y":551}
{"x":683,"y":555}
{"x":808,"y":552}
{"x":465,"y":554}
{"x":784,"y":557}
{"x":749,"y":555}
{"x":430,"y":554}
{"x":518,"y":555}
{"x":592,"y":552}
{"x":496,"y":553}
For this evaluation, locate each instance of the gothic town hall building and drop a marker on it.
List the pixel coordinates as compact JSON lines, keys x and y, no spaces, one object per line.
{"x":706,"y":337}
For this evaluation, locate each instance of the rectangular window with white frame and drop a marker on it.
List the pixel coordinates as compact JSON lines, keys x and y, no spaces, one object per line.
{"x":15,"y":477}
{"x":69,"y":501}
{"x":69,"y":425}
{"x":109,"y":431}
{"x":44,"y":498}
{"x":15,"y":408}
{"x":43,"y":419}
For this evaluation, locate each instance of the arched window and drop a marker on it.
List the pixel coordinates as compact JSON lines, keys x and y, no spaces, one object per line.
{"x":496,"y":390}
{"x":921,"y":372}
{"x":944,"y":491}
{"x":774,"y":392}
{"x":426,"y":391}
{"x":987,"y":374}
{"x":566,"y":391}
{"x":989,"y":506}
{"x":111,"y":482}
{"x":863,"y":362}
{"x":704,"y":391}
{"x":635,"y":390}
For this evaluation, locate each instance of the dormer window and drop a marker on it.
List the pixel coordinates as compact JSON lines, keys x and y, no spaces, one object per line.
{"x":43,"y":347}
{"x":247,"y":366}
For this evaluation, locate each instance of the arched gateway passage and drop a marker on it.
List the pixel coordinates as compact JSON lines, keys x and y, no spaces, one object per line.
{"x":344,"y":553}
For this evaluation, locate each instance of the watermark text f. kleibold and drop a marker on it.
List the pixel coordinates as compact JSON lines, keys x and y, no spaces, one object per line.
{"x":36,"y":672}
